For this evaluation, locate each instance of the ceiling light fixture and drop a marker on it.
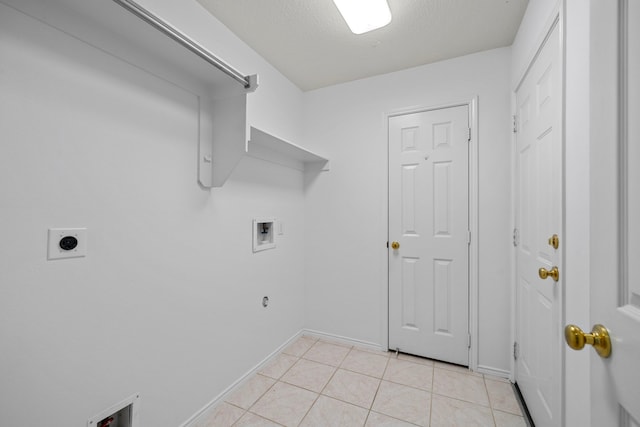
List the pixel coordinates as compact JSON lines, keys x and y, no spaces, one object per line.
{"x":364,"y":15}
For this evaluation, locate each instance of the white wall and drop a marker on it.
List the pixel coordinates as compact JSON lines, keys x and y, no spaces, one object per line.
{"x":346,"y":209}
{"x":535,"y":23}
{"x":168,"y":301}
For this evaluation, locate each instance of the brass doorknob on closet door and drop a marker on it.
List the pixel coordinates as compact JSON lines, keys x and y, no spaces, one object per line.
{"x":598,"y":338}
{"x":554,"y":241}
{"x":395,"y":245}
{"x":554,"y":273}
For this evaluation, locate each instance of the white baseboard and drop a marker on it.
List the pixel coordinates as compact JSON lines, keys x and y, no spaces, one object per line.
{"x":494,"y":371}
{"x":204,"y":411}
{"x":193,"y":420}
{"x":343,"y":340}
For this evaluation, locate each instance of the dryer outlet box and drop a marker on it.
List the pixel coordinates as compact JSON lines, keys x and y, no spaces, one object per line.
{"x":67,"y":243}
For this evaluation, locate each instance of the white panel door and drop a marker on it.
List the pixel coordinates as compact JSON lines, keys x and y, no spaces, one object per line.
{"x":539,"y":217}
{"x":615,"y":212}
{"x":429,"y":219}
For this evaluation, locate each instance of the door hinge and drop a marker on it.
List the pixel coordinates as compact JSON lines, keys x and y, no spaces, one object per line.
{"x":515,"y":124}
{"x":468,"y":340}
{"x":516,"y":350}
{"x":516,"y":237}
{"x":469,"y":135}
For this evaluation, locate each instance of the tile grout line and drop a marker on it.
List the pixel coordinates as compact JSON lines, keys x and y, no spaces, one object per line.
{"x":309,"y":410}
{"x":326,"y":384}
{"x":459,"y":398}
{"x":286,"y":370}
{"x":353,"y":350}
{"x":318,"y":396}
{"x":248,"y":410}
{"x":375,"y":395}
{"x":366,"y":352}
{"x":260,"y":397}
{"x":244,"y":412}
{"x":433,"y":374}
{"x":506,"y":411}
{"x":493,"y":415}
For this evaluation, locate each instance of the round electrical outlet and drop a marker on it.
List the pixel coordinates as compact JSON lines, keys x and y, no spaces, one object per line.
{"x":265,"y":301}
{"x":68,"y":243}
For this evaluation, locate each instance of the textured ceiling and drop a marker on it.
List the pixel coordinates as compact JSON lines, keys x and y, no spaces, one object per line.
{"x":309,"y":42}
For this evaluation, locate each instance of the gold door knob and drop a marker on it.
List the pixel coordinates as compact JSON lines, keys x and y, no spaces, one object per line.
{"x":554,"y":241}
{"x":395,"y":245}
{"x":598,"y":338}
{"x":554,"y":273}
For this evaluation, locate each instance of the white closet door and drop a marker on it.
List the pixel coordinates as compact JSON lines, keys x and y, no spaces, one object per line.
{"x":429,"y":221}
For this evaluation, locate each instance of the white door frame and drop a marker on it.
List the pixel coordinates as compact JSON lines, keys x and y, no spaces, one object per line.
{"x":612,"y":84}
{"x":539,"y":304}
{"x":571,"y":405}
{"x":472,"y":104}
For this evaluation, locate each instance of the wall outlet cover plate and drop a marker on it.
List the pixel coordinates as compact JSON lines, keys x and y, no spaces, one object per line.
{"x":56,"y":235}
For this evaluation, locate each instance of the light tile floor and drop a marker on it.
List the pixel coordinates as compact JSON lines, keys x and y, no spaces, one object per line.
{"x":319,"y":383}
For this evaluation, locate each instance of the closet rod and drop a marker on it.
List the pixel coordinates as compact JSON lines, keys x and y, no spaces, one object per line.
{"x":185,"y":41}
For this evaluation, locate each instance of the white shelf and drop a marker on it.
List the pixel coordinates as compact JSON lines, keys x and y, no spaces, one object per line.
{"x":265,"y":146}
{"x":125,"y":30}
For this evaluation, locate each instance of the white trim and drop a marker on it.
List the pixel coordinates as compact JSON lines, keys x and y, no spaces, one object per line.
{"x":558,"y":18}
{"x":471,"y":103}
{"x":501,"y":373}
{"x":474,"y":227}
{"x":205,"y":410}
{"x":531,"y":57}
{"x":563,"y":221}
{"x":384,"y":290}
{"x":623,"y":150}
{"x":542,"y":37}
{"x":343,"y":340}
{"x":338,"y":339}
{"x":554,"y":18}
{"x":513,"y":257}
{"x":419,"y":109}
